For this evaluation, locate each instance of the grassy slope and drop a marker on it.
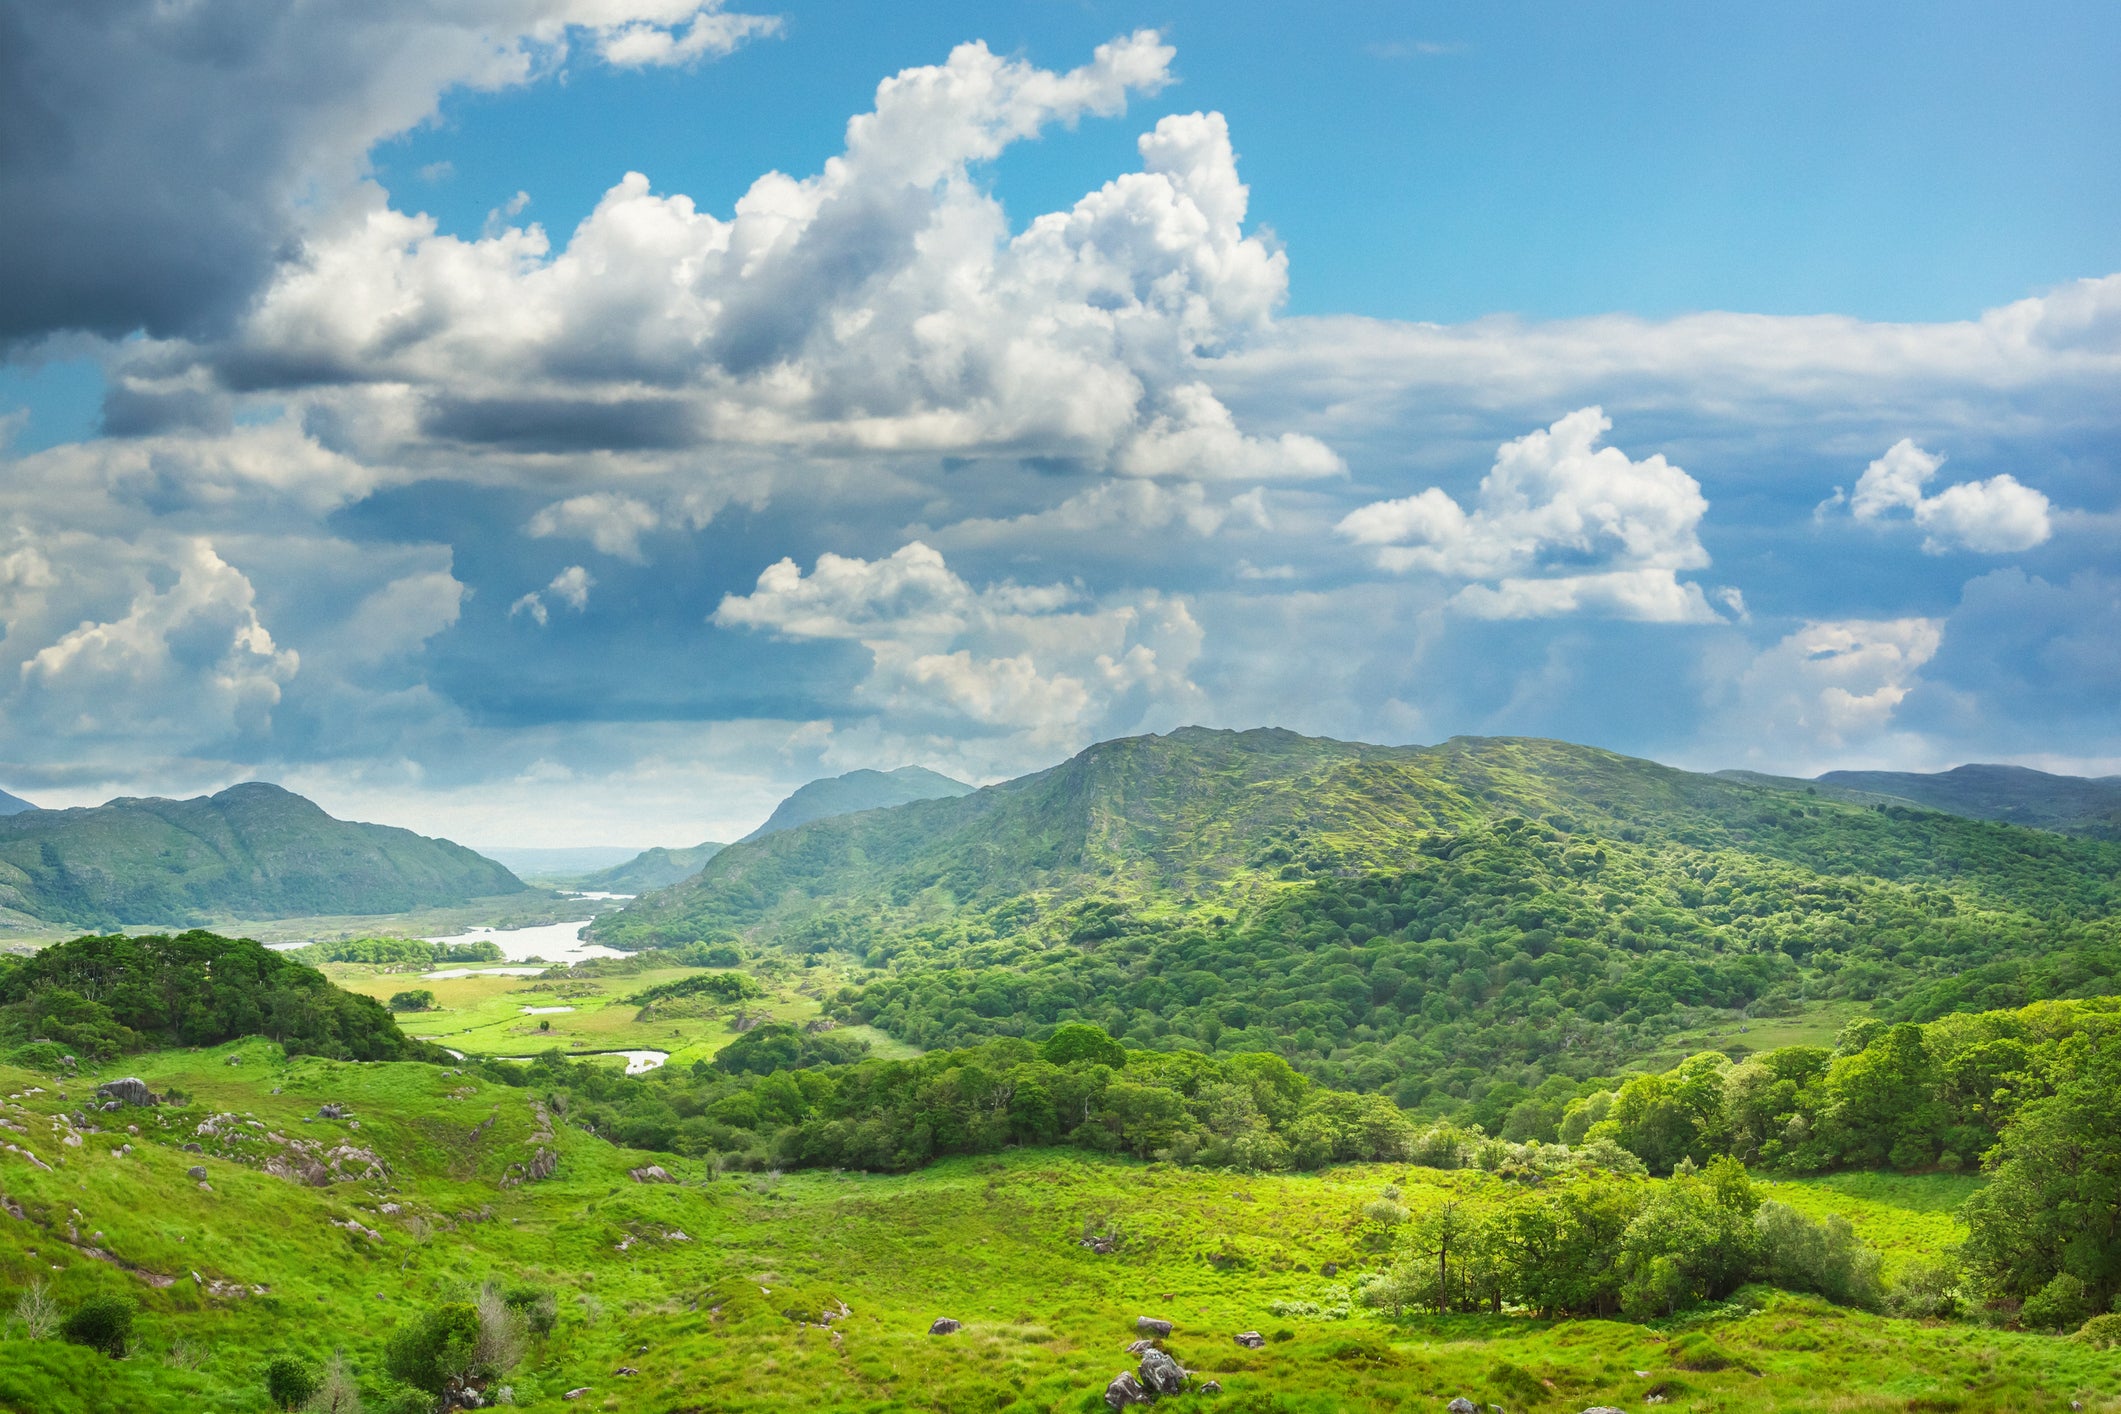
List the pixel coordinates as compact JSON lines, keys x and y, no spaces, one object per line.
{"x":650,"y":870}
{"x":1203,"y":821}
{"x":252,"y":850}
{"x":990,"y":1242}
{"x":857,"y":791}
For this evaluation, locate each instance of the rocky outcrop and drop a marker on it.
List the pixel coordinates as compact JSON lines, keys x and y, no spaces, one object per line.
{"x":131,"y":1090}
{"x":945,"y":1326}
{"x":1150,"y":1326}
{"x":1125,"y":1390}
{"x":1461,"y":1405}
{"x":1161,"y":1374}
{"x":1251,"y":1340}
{"x":650,"y":1173}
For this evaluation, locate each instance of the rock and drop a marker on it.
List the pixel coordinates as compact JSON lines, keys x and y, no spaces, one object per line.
{"x":1211,"y":1387}
{"x":1141,"y":1345}
{"x":1602,"y":1409}
{"x":945,"y":1326}
{"x":1330,"y":1269}
{"x":1125,"y":1390}
{"x":653,"y":1173}
{"x":197,"y":1173}
{"x":1149,"y":1325}
{"x":1461,"y":1405}
{"x":193,"y":1149}
{"x":1161,"y":1373}
{"x":543,"y":1164}
{"x":332,"y":1112}
{"x":1251,"y":1340}
{"x":576,"y":1393}
{"x":130,"y":1091}
{"x":626,"y":1371}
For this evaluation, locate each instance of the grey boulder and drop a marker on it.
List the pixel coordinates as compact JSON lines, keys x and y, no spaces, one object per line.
{"x":1251,"y":1340}
{"x":651,"y":1173}
{"x":130,"y":1091}
{"x":1602,"y":1409}
{"x":1125,"y":1390}
{"x":1461,"y":1405}
{"x":196,"y":1172}
{"x":1161,"y":1373}
{"x":945,"y":1326}
{"x":1149,"y":1325}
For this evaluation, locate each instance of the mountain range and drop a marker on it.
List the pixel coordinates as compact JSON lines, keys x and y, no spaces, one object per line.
{"x":13,"y":804}
{"x":251,"y":851}
{"x":1500,"y":901}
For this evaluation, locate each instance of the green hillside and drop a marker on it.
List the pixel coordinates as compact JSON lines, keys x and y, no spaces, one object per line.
{"x":650,"y":870}
{"x":253,"y":850}
{"x":1403,"y":918}
{"x":857,"y":791}
{"x":2017,"y":795}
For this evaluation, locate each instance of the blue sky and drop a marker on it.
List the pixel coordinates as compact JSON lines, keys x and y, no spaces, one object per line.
{"x":1737,"y":386}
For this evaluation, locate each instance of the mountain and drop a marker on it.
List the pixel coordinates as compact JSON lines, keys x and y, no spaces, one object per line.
{"x":254,"y":851}
{"x":1385,"y":913}
{"x":858,"y":791}
{"x":13,"y":804}
{"x":2017,"y":795}
{"x":650,"y":870}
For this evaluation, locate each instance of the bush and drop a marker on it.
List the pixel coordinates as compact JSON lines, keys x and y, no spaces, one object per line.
{"x":1798,"y":1254}
{"x":2101,"y":1332}
{"x":2061,"y":1304}
{"x":36,"y":1310}
{"x":438,"y":1346}
{"x":1926,"y":1288}
{"x":538,"y":1308}
{"x":102,"y":1323}
{"x":289,"y":1381}
{"x":420,"y":1000}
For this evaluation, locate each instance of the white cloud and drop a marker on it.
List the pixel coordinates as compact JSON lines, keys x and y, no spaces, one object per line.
{"x":1826,"y":696}
{"x":188,"y":664}
{"x":708,"y":33}
{"x":1561,"y":526}
{"x":1994,"y":517}
{"x":1045,"y":666}
{"x":570,"y":586}
{"x":611,"y":522}
{"x":533,"y":605}
{"x":402,"y":615}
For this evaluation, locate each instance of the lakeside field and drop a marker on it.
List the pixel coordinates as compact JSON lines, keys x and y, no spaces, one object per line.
{"x":713,"y":1287}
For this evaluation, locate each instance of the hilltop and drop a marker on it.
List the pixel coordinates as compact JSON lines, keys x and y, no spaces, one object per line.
{"x":650,"y":870}
{"x":13,"y":804}
{"x":2017,"y":795}
{"x":253,"y":850}
{"x":857,"y":791}
{"x":1381,"y":913}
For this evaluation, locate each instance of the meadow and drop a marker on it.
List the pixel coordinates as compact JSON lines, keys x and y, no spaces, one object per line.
{"x":715,"y":1288}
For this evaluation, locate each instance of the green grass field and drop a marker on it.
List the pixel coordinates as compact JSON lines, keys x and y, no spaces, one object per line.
{"x":713,"y":1288}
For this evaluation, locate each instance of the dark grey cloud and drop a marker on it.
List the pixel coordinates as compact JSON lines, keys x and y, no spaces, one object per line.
{"x":563,"y":424}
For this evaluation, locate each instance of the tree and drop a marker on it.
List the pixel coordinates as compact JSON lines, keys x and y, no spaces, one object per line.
{"x":1676,"y":1115}
{"x":289,"y":1380}
{"x":437,"y":1347}
{"x":1435,"y":1237}
{"x":1080,"y":1041}
{"x":102,"y":1323}
{"x":420,"y":999}
{"x":2052,"y":1207}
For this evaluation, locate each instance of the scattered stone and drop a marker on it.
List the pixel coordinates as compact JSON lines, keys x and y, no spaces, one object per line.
{"x":332,"y":1112}
{"x":1602,"y":1409}
{"x":1150,"y":1325}
{"x":945,"y":1326}
{"x":390,"y":1210}
{"x":196,"y":1173}
{"x":1251,"y":1340}
{"x":625,"y":1371}
{"x":1141,"y":1345}
{"x":1461,"y":1405}
{"x":1125,"y":1390}
{"x":1211,"y":1387}
{"x":192,"y":1149}
{"x":652,"y":1173}
{"x":1161,"y":1373}
{"x":132,"y":1090}
{"x":576,"y":1393}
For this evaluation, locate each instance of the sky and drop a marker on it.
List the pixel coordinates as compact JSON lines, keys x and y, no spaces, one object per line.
{"x":579,"y":422}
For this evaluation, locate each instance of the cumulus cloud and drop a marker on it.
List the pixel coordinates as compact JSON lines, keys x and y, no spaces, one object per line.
{"x":140,"y":196}
{"x":1826,"y":695}
{"x":880,"y":306}
{"x":402,"y":615}
{"x":611,"y":522}
{"x":1560,"y":526}
{"x":1993,"y":517}
{"x":1044,"y":665}
{"x":570,"y":586}
{"x":188,"y":665}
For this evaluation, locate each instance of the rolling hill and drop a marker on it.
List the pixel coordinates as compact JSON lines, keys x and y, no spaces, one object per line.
{"x":13,"y":804}
{"x":251,"y":851}
{"x":2017,"y":795}
{"x":857,"y":791}
{"x":1386,"y":912}
{"x":650,"y":870}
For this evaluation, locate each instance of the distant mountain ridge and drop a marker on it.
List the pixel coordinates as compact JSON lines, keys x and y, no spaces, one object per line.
{"x":650,"y":870}
{"x":857,"y":791}
{"x":2088,"y":806}
{"x":13,"y":804}
{"x":253,"y":850}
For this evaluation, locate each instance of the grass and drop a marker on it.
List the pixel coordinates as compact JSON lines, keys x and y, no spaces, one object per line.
{"x":726,"y":1316}
{"x":1816,"y":1025}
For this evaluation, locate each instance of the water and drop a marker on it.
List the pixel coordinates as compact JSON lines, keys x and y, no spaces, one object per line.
{"x":545,"y":1010}
{"x":554,"y":942}
{"x":589,"y":893}
{"x":636,"y":1061}
{"x":448,"y":972}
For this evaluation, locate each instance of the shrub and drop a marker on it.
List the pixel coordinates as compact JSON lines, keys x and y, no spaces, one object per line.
{"x":102,"y":1323}
{"x":438,"y":1346}
{"x":418,"y":1000}
{"x":1925,"y":1287}
{"x":500,"y":1343}
{"x":289,"y":1380}
{"x":2064,"y":1302}
{"x":1801,"y":1255}
{"x":537,"y":1306}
